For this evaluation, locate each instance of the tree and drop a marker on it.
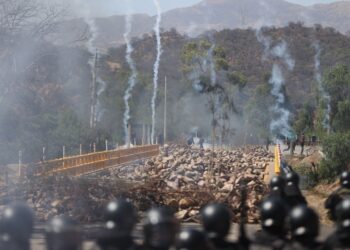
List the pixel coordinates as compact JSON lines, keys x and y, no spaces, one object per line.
{"x":258,"y":111}
{"x":304,"y":120}
{"x":208,"y":70}
{"x":337,"y":84}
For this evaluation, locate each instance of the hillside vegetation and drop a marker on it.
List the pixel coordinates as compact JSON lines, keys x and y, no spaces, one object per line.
{"x":48,"y":104}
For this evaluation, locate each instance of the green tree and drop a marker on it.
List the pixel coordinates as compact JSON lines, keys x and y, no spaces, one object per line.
{"x":337,"y":84}
{"x":258,"y":111}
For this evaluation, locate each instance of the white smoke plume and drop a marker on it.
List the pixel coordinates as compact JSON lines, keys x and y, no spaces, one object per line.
{"x":100,"y":84}
{"x":280,"y":123}
{"x":156,"y":67}
{"x":318,"y":76}
{"x":133,"y":76}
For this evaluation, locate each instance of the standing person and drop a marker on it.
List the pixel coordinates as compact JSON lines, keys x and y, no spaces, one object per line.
{"x":267,"y":143}
{"x":201,"y":141}
{"x":294,"y":197}
{"x":120,"y":218}
{"x":343,"y":192}
{"x":302,"y":143}
{"x":304,"y":228}
{"x":340,"y":239}
{"x":273,"y":234}
{"x":288,"y":145}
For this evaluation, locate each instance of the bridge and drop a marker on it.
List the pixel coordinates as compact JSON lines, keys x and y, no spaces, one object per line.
{"x":90,"y":163}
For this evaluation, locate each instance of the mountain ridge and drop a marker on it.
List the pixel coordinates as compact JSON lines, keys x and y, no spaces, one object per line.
{"x":215,"y":15}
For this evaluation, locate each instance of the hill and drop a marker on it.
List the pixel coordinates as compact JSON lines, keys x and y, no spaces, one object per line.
{"x":215,"y":15}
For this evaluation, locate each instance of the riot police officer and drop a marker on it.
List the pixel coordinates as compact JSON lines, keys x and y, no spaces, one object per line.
{"x":216,"y":219}
{"x":160,"y":229}
{"x":304,"y":228}
{"x":294,"y":197}
{"x":120,"y":218}
{"x":277,"y":185}
{"x":193,"y":239}
{"x":272,"y":217}
{"x":337,"y":196}
{"x":62,"y":234}
{"x":16,"y":226}
{"x":340,"y":239}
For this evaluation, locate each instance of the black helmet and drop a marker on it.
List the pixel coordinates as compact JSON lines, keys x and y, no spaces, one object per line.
{"x":345,"y":179}
{"x":192,"y":239}
{"x":17,"y":222}
{"x":343,"y":214}
{"x":160,"y":228}
{"x":216,"y":219}
{"x":277,"y":183}
{"x":273,"y":214}
{"x":120,"y":216}
{"x":304,"y":223}
{"x":292,"y":178}
{"x":62,"y":234}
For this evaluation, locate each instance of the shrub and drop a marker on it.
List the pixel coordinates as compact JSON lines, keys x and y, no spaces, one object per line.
{"x":336,"y":148}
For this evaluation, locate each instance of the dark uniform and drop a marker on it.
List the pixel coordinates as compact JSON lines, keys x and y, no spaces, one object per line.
{"x":62,"y":234}
{"x":16,"y":226}
{"x":293,"y":194}
{"x":304,"y":227}
{"x":340,"y":239}
{"x":216,"y":220}
{"x":340,"y":194}
{"x":160,"y":229}
{"x":277,"y":185}
{"x":272,"y":217}
{"x":120,"y":218}
{"x":302,"y":143}
{"x":193,"y":239}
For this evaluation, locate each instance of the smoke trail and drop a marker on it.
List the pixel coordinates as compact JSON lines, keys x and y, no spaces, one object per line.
{"x":156,"y":67}
{"x":96,"y":109}
{"x":133,"y":76}
{"x":320,"y":88}
{"x":212,"y":65}
{"x":280,"y":121}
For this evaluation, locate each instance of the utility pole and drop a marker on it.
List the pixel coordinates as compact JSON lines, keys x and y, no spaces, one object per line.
{"x":93,"y":95}
{"x":165,"y":110}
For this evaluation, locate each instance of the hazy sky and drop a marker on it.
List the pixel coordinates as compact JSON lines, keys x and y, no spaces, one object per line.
{"x":112,"y":7}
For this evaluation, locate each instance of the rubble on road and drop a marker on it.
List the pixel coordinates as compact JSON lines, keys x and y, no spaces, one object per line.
{"x":180,"y":177}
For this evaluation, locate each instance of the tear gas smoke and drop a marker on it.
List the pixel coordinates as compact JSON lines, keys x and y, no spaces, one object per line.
{"x":156,"y":67}
{"x":324,"y":95}
{"x":280,"y":121}
{"x":133,"y":76}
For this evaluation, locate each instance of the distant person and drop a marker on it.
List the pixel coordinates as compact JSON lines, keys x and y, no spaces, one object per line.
{"x":343,"y":192}
{"x":201,"y":141}
{"x":288,"y":145}
{"x":302,"y":143}
{"x":293,"y":145}
{"x":190,"y":141}
{"x":268,"y":142}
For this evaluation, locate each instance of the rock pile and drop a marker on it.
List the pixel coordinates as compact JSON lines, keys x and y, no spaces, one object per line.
{"x":183,"y":178}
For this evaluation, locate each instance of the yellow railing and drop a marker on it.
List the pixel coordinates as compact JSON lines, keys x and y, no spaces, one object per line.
{"x":89,"y":163}
{"x":277,"y":159}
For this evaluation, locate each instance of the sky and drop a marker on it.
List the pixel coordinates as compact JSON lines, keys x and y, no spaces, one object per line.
{"x":114,"y":7}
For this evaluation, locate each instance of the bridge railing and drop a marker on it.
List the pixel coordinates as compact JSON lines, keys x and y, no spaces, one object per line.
{"x":89,"y":163}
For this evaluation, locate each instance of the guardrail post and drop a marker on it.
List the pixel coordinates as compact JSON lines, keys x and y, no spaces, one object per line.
{"x":80,"y":149}
{"x":94,"y":147}
{"x":106,"y":144}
